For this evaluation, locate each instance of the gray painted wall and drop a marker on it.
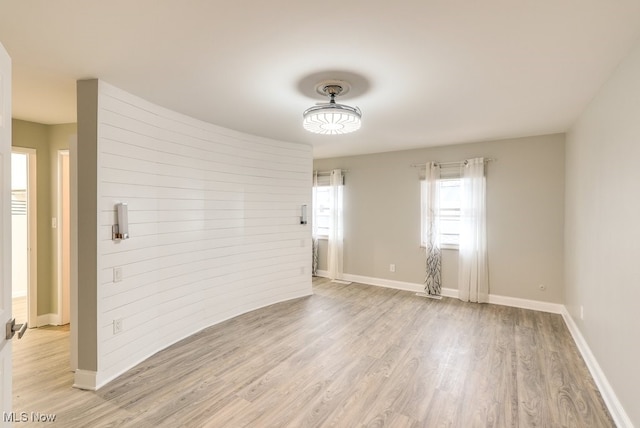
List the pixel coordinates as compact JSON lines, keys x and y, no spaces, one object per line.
{"x":603,"y":231}
{"x":525,"y":187}
{"x":46,"y":140}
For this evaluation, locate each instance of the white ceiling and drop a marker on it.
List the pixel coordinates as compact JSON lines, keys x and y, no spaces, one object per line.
{"x":424,"y":72}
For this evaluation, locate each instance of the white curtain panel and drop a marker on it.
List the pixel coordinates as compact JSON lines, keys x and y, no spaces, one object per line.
{"x":473,"y":270}
{"x":336,"y":226}
{"x":314,"y":226}
{"x":430,"y":233}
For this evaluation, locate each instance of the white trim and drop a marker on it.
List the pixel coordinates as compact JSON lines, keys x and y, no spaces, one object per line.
{"x":73,"y":233}
{"x":48,"y":319}
{"x":387,"y":283}
{"x":32,"y":232}
{"x":535,"y":305}
{"x":85,"y":379}
{"x":554,"y":308}
{"x":610,"y":398}
{"x":62,"y":302}
{"x":397,"y":285}
{"x":322,"y":273}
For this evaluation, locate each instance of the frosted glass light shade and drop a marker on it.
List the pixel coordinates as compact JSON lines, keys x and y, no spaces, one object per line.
{"x":332,"y":119}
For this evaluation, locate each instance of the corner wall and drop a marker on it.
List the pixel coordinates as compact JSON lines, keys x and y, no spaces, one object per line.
{"x":602,"y":235}
{"x":213,"y":219}
{"x":525,"y":215}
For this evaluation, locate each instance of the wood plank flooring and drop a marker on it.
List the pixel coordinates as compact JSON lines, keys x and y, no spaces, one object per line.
{"x":348,"y":356}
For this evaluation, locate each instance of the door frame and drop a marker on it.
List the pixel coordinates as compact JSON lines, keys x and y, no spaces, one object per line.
{"x":32,"y":233}
{"x":64,"y":314}
{"x":6,"y":373}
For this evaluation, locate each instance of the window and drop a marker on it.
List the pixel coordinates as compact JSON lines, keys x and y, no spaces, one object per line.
{"x":449,"y":212}
{"x":322,"y":210}
{"x":449,"y":202}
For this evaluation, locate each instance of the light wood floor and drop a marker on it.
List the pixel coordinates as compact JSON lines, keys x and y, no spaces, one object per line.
{"x":348,"y":356}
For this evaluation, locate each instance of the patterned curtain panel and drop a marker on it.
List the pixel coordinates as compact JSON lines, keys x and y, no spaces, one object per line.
{"x":314,"y":257}
{"x":314,"y":226}
{"x":473,"y":269}
{"x":431,"y":237}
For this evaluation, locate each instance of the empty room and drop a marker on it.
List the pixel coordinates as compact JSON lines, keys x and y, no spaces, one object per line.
{"x":347,"y":214}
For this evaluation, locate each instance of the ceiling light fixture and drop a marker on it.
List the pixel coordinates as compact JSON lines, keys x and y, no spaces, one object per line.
{"x":332,"y":118}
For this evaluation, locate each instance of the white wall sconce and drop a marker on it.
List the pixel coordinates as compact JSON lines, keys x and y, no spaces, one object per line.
{"x":303,"y":214}
{"x":120,"y":230}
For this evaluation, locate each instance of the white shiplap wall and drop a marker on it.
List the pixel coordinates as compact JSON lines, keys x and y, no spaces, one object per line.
{"x":214,"y":225}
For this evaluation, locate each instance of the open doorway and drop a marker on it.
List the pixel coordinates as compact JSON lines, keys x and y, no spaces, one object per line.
{"x":49,"y":348}
{"x":24,"y":231}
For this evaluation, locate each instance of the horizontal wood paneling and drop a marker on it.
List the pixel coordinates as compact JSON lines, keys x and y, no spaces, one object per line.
{"x":214,"y":225}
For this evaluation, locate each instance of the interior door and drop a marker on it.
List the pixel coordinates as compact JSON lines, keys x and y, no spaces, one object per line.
{"x":5,"y":233}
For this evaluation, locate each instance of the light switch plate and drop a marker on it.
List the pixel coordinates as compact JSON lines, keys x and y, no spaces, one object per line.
{"x":117,"y":274}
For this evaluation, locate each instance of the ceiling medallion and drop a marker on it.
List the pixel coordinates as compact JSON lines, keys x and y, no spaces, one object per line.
{"x":332,"y":118}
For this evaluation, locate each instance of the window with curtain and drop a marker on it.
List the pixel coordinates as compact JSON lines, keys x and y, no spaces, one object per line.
{"x":449,"y":204}
{"x":328,"y":220}
{"x":454,"y":216}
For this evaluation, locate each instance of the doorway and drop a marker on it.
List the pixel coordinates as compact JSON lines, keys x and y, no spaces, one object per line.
{"x":24,"y":236}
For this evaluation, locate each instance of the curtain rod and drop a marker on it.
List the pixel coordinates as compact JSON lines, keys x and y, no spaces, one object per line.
{"x":420,"y":165}
{"x":328,"y":172}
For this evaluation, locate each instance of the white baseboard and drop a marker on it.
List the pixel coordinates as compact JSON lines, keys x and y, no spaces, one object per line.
{"x":554,"y":308}
{"x":85,"y":379}
{"x":610,"y":398}
{"x":48,"y":319}
{"x":388,"y":283}
{"x":322,"y":273}
{"x":535,"y":305}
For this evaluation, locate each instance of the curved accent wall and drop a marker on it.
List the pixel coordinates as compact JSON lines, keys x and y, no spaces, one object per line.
{"x":213,"y":219}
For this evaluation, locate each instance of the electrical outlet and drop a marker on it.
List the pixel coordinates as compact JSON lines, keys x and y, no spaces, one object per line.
{"x":54,"y":223}
{"x":118,"y":326}
{"x":392,"y":267}
{"x":117,"y":274}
